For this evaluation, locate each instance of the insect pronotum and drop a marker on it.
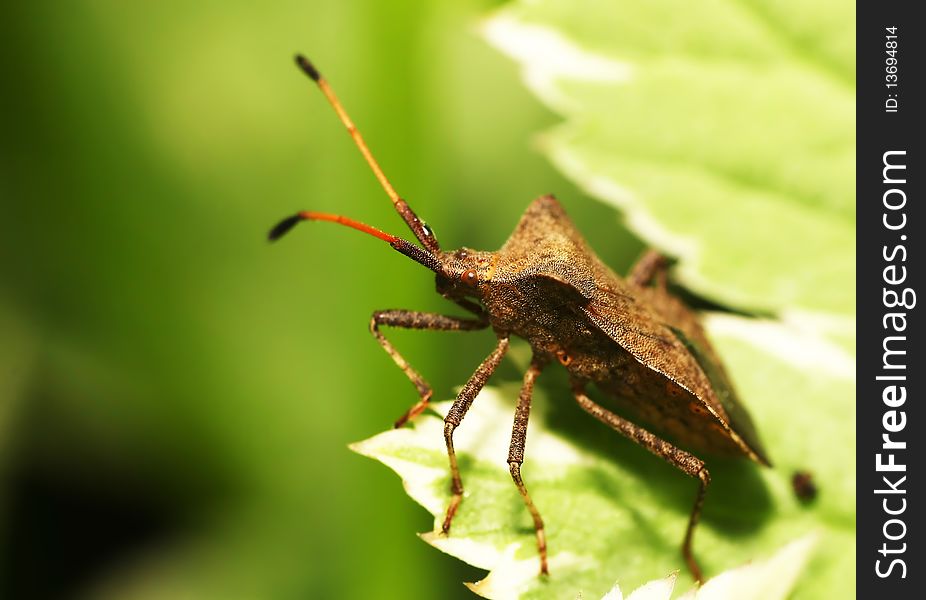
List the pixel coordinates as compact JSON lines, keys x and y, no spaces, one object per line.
{"x":631,"y":338}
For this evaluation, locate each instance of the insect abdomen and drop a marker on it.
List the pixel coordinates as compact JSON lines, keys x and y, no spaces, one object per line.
{"x":651,"y":399}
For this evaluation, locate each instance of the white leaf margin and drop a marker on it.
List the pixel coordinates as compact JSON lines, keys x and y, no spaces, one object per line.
{"x":508,"y":576}
{"x":546,"y":56}
{"x":770,"y":579}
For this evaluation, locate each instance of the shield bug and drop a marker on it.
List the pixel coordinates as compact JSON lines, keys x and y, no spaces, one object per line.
{"x":630,"y":337}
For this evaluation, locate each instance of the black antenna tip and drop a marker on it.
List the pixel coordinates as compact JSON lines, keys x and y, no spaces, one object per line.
{"x":280,"y":229}
{"x":307,"y":67}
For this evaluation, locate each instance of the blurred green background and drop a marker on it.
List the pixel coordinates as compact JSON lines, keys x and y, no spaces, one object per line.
{"x":176,"y":395}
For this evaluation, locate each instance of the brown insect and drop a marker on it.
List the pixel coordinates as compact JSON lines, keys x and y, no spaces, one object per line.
{"x":630,"y":337}
{"x":804,"y":487}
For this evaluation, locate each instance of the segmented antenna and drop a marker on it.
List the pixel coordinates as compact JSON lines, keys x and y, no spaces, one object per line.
{"x":418,"y":227}
{"x":405,"y":247}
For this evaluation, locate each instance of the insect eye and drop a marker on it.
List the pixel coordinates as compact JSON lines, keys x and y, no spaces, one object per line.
{"x":469,"y":277}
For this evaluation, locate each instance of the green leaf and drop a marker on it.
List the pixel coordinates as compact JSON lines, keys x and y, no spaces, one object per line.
{"x":724,"y":132}
{"x":613,"y":511}
{"x":770,"y":579}
{"x":658,"y":589}
{"x":725,"y":135}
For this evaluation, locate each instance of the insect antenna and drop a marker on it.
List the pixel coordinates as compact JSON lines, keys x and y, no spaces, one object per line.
{"x":418,"y":227}
{"x":405,"y":247}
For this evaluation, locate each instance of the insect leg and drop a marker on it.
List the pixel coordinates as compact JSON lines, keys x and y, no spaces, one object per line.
{"x":516,"y":457}
{"x":455,"y":416}
{"x":651,"y":264}
{"x":408,"y":319}
{"x":685,"y":462}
